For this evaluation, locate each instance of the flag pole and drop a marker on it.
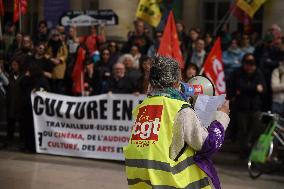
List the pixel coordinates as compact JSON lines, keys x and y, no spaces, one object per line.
{"x":201,"y":71}
{"x":1,"y":33}
{"x":20,"y":16}
{"x":226,"y":18}
{"x":82,"y":76}
{"x":82,"y":84}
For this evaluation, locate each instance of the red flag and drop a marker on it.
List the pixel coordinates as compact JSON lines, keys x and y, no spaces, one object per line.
{"x":24,"y":6}
{"x":78,"y":72}
{"x":214,"y":68}
{"x":169,"y":45}
{"x":1,"y":8}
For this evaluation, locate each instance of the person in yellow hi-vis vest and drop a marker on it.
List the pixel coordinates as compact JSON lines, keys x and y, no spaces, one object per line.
{"x":169,"y":148}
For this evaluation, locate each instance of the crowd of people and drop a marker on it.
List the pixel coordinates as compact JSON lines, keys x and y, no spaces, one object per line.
{"x":253,"y":65}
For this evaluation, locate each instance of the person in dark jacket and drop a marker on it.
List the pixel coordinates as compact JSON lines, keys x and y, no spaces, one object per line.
{"x":114,"y":53}
{"x":94,"y":83}
{"x":102,"y":73}
{"x":267,"y":57}
{"x":139,"y":38}
{"x":13,"y":100}
{"x":120,"y":82}
{"x":42,"y":34}
{"x":15,"y":46}
{"x":248,"y":85}
{"x":24,"y":52}
{"x":39,"y":58}
{"x":89,"y":79}
{"x":32,"y":81}
{"x":132,"y":69}
{"x":143,"y":82}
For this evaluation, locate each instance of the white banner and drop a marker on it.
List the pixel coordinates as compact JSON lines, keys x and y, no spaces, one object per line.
{"x":91,"y":127}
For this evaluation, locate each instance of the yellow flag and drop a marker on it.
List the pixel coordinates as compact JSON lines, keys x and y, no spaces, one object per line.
{"x":250,"y":6}
{"x":149,"y":11}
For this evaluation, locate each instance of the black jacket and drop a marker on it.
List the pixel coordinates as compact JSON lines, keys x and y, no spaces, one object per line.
{"x":244,"y":86}
{"x":124,"y":85}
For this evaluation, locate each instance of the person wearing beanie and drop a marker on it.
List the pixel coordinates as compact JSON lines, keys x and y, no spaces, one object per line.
{"x":169,"y":148}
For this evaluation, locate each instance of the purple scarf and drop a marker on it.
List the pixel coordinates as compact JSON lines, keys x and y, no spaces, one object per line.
{"x":211,"y":145}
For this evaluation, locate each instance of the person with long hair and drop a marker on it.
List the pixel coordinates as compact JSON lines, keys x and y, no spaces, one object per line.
{"x":57,"y":53}
{"x":143,"y":81}
{"x":114,"y":52}
{"x":102,"y":72}
{"x":190,"y":71}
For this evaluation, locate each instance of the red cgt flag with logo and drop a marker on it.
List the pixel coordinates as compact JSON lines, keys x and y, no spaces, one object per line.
{"x":169,"y":45}
{"x":17,"y":11}
{"x":214,"y":68}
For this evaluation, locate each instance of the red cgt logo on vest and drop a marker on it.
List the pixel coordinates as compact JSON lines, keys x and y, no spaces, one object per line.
{"x":147,"y":125}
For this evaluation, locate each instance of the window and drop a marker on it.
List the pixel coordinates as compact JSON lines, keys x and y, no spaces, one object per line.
{"x":213,"y":13}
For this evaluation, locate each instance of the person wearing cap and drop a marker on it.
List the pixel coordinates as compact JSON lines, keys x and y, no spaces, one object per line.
{"x":248,"y":87}
{"x":169,"y":148}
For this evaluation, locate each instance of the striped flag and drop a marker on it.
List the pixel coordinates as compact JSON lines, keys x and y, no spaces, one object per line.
{"x":250,"y":6}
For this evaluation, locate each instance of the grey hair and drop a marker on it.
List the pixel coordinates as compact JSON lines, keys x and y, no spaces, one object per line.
{"x":164,"y":72}
{"x":53,"y":32}
{"x":126,"y":56}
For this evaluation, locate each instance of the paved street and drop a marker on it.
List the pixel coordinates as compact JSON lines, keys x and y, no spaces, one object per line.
{"x":25,"y":171}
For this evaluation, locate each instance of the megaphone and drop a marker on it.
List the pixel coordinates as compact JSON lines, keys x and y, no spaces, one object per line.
{"x":196,"y":86}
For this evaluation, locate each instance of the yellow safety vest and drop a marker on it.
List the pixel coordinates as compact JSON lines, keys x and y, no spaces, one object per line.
{"x":147,"y":159}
